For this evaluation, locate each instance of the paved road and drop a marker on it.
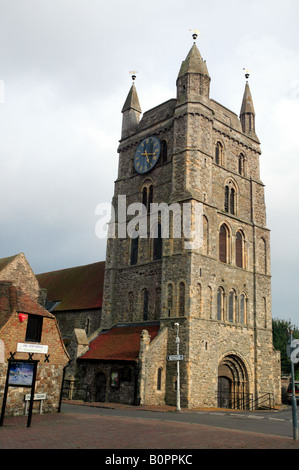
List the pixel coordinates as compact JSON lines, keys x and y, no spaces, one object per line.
{"x":84,"y":427}
{"x":278,"y":423}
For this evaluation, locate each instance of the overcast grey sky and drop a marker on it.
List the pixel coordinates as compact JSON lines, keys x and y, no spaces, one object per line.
{"x":64,"y":71}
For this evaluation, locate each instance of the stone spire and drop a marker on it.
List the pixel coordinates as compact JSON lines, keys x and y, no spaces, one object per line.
{"x":247,"y":113}
{"x":193,"y":78}
{"x":131,"y":112}
{"x":194,"y":63}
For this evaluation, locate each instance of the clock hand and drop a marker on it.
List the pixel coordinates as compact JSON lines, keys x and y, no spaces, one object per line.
{"x":146,"y":154}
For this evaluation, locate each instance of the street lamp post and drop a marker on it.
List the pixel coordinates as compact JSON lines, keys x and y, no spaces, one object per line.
{"x":294,"y":401}
{"x":178,"y":398}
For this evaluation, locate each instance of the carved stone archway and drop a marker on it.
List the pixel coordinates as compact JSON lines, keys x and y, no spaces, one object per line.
{"x":233,"y":383}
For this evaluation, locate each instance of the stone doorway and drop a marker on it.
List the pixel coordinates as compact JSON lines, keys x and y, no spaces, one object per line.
{"x":233,"y":385}
{"x":224,"y":392}
{"x":100,"y":384}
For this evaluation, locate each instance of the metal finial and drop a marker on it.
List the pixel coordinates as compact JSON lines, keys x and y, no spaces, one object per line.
{"x":133,"y":74}
{"x":247,"y":73}
{"x":195,"y":33}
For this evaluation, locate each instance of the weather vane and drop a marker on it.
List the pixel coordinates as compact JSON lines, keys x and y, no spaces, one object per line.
{"x":133,"y":74}
{"x":247,"y":73}
{"x":195,"y":33}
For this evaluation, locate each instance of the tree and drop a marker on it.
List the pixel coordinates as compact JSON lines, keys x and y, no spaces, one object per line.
{"x":281,"y":332}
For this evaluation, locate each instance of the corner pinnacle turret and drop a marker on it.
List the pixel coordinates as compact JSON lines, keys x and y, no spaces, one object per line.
{"x":247,"y":113}
{"x":131,"y":112}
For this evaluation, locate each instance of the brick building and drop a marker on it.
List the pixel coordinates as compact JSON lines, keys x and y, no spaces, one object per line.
{"x":28,"y":333}
{"x":191,"y":150}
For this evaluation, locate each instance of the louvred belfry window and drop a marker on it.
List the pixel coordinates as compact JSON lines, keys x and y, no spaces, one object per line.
{"x":144,"y":196}
{"x":226,"y":196}
{"x":157,"y":244}
{"x":230,"y":199}
{"x":223,"y":244}
{"x":150,"y":197}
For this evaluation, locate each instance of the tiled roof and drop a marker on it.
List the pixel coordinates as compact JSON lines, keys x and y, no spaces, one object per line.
{"x":27,"y":305}
{"x":12,"y":298}
{"x":5,"y":261}
{"x":77,"y":288}
{"x":121,"y":343}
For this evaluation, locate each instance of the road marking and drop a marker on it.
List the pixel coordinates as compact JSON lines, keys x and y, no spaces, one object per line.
{"x":218,"y":414}
{"x":255,"y":417}
{"x":277,"y":419}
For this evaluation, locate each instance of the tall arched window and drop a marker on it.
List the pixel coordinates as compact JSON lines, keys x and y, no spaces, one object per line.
{"x":144,"y":196}
{"x":169,"y":299}
{"x":205,"y":229}
{"x":147,"y":195}
{"x":232,"y":306}
{"x":159,"y":379}
{"x":157,"y":243}
{"x":134,"y":250}
{"x":241,"y":164}
{"x":220,"y":304}
{"x":223,"y":244}
{"x":145,"y":304}
{"x":199,"y":299}
{"x":240,"y":249}
{"x":209,"y":302}
{"x":219,"y":153}
{"x":182,"y":299}
{"x":243,"y":309}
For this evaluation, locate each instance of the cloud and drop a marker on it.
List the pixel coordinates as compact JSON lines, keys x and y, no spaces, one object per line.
{"x":64,"y":77}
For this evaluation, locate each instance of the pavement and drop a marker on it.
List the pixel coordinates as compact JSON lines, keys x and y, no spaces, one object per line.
{"x":71,"y":430}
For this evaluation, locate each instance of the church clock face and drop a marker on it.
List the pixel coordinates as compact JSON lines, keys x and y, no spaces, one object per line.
{"x":147,"y":154}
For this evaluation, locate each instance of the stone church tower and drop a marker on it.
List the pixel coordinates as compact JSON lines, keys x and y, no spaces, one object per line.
{"x":193,"y":152}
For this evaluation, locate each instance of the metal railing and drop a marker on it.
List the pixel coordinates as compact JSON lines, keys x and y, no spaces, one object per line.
{"x":236,"y":401}
{"x":264,"y":402}
{"x":245,"y":401}
{"x":73,"y":390}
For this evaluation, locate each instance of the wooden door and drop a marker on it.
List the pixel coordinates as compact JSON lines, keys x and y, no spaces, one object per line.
{"x":224,"y":392}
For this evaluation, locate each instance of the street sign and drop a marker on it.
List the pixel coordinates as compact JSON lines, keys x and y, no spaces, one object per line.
{"x":175,"y":357}
{"x":293,"y":350}
{"x":37,"y":396}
